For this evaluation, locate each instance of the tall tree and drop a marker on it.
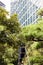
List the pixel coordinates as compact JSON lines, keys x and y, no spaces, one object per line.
{"x":9,"y":28}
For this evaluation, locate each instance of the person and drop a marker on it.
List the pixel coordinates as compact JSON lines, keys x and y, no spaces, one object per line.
{"x":22,"y":52}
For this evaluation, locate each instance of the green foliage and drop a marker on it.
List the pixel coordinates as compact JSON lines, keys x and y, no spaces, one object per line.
{"x":40,"y":12}
{"x":3,"y":14}
{"x":34,"y":32}
{"x":10,"y":64}
{"x":36,"y":59}
{"x":2,"y":28}
{"x":9,"y":29}
{"x":36,"y":64}
{"x":35,"y":45}
{"x":15,"y":26}
{"x":34,"y":37}
{"x":11,"y":36}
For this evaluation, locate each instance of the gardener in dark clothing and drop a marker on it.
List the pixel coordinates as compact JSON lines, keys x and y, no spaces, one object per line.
{"x":22,"y":53}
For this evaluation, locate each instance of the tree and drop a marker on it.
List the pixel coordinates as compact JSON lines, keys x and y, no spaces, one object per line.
{"x":34,"y":37}
{"x":34,"y":41}
{"x":9,"y":28}
{"x":40,"y":12}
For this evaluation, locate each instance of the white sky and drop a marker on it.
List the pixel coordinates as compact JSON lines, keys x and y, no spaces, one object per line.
{"x":7,"y":3}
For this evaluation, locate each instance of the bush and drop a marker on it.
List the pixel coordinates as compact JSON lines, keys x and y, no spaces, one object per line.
{"x":35,"y":45}
{"x":36,"y":59}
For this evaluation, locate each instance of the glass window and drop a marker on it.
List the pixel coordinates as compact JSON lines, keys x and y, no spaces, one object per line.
{"x":22,"y":12}
{"x":22,"y":20}
{"x":20,"y":15}
{"x":30,"y":3}
{"x":36,"y":16}
{"x":33,"y":17}
{"x":24,"y":9}
{"x":34,"y":8}
{"x":18,"y":10}
{"x":31,"y":10}
{"x":30,"y":19}
{"x":26,"y":16}
{"x":26,"y":22}
{"x":24,"y":2}
{"x":21,"y":5}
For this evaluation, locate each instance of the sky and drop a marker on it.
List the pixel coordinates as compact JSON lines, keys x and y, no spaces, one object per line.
{"x":7,"y":3}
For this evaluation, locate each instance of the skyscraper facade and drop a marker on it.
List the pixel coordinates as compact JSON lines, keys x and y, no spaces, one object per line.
{"x":2,"y":4}
{"x":26,"y":10}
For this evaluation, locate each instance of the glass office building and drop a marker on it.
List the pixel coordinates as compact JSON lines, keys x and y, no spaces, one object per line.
{"x":2,"y":4}
{"x":26,"y":10}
